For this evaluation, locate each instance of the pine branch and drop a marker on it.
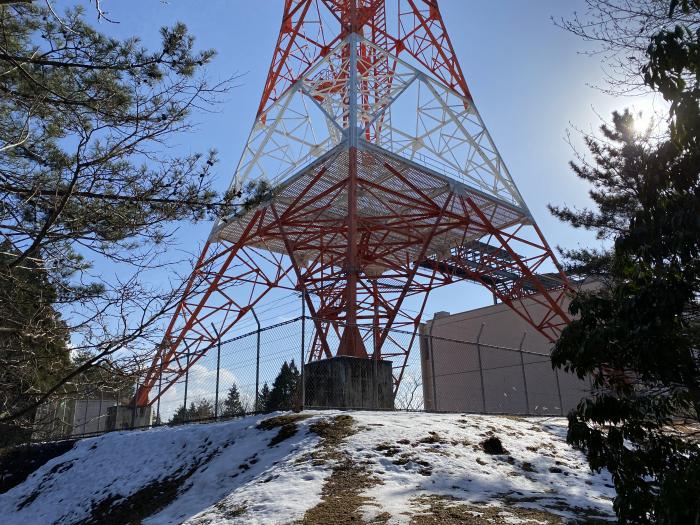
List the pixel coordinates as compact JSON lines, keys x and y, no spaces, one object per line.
{"x":28,"y":192}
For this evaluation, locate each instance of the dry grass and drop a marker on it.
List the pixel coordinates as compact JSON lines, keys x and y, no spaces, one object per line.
{"x":387,"y":449}
{"x":493,"y":446}
{"x":285,"y":432}
{"x":227,"y":513}
{"x":280,"y":421}
{"x":528,"y":467}
{"x":333,"y":431}
{"x":287,"y":425}
{"x":584,"y":516}
{"x":341,"y":497}
{"x":513,"y":417}
{"x":432,"y":438}
{"x":131,"y":510}
{"x":447,"y":511}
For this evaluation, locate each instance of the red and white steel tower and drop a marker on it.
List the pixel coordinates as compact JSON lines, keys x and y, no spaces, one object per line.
{"x":386,"y":183}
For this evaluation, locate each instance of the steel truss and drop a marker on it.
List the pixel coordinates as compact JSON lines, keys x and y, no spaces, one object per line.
{"x":387,"y":186}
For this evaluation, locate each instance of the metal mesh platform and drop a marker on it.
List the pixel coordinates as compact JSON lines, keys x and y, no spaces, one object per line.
{"x":388,"y":185}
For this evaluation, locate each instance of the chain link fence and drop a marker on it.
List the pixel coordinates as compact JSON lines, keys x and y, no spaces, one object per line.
{"x":468,"y":376}
{"x":260,"y":371}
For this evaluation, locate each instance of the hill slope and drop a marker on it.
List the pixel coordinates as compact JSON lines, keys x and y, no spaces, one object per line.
{"x":320,"y":468}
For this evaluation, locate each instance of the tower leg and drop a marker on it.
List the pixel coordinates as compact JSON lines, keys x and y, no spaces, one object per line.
{"x":212,"y":304}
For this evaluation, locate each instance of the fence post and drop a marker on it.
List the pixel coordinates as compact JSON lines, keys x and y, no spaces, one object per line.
{"x":303,"y":346}
{"x":133,"y":407}
{"x":522,"y":364}
{"x":187,"y":380}
{"x":561,"y":403}
{"x":160,"y":387}
{"x":375,"y":392}
{"x":99,"y":411}
{"x":55,"y":418}
{"x":116,"y":414}
{"x":481,"y":369}
{"x":256,"y":408}
{"x":218,"y":370}
{"x":432,"y":362}
{"x":85,"y":413}
{"x":63,"y":419}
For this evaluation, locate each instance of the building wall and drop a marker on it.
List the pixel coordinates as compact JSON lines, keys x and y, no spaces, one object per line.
{"x":90,"y":415}
{"x":493,"y":376}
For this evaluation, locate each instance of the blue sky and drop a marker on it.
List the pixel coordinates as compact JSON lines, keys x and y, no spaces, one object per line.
{"x":528,"y":78}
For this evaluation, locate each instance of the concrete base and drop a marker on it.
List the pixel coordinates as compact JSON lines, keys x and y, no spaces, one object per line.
{"x":349,"y":382}
{"x":124,"y":417}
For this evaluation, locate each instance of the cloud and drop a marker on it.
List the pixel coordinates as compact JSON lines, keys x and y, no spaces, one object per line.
{"x":201,"y":384}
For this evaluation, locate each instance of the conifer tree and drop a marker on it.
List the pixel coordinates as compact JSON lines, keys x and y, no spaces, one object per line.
{"x":180,"y":416}
{"x":638,"y":336}
{"x":33,"y":343}
{"x":87,"y":176}
{"x":263,"y":399}
{"x":232,"y":405}
{"x":284,"y":393}
{"x":202,"y":409}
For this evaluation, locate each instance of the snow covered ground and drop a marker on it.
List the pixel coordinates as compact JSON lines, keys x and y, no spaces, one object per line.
{"x":227,"y":472}
{"x":538,"y":470}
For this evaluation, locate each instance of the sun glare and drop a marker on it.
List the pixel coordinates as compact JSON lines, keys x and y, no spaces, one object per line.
{"x":648,"y":114}
{"x":642,"y":121}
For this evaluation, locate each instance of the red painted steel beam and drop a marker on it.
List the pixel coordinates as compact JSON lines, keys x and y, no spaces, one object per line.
{"x":301,"y":42}
{"x":357,"y":269}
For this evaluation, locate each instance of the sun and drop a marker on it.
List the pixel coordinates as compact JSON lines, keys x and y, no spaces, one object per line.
{"x":648,"y":114}
{"x":642,"y":121}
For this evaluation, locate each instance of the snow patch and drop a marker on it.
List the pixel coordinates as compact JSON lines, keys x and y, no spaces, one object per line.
{"x":440,"y":454}
{"x":235,"y":464}
{"x":235,"y":477}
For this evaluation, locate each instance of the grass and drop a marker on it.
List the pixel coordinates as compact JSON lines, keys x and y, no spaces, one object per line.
{"x":116,"y":510}
{"x":17,"y":463}
{"x":333,"y":431}
{"x":493,"y":445}
{"x":341,"y":497}
{"x":287,"y":425}
{"x":280,"y":421}
{"x":133,"y":509}
{"x":441,"y":510}
{"x":56,"y":469}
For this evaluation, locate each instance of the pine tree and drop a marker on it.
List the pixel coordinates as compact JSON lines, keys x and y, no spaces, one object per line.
{"x":180,"y":416}
{"x":284,"y":393}
{"x":202,"y":409}
{"x":33,"y":343}
{"x":263,"y":399}
{"x":638,"y":335}
{"x":86,"y":174}
{"x":232,"y":405}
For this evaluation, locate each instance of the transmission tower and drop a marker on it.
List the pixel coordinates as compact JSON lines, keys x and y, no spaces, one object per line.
{"x":386,"y":185}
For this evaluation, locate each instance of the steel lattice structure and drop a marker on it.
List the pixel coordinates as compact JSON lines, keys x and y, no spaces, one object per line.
{"x":387,"y":185}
